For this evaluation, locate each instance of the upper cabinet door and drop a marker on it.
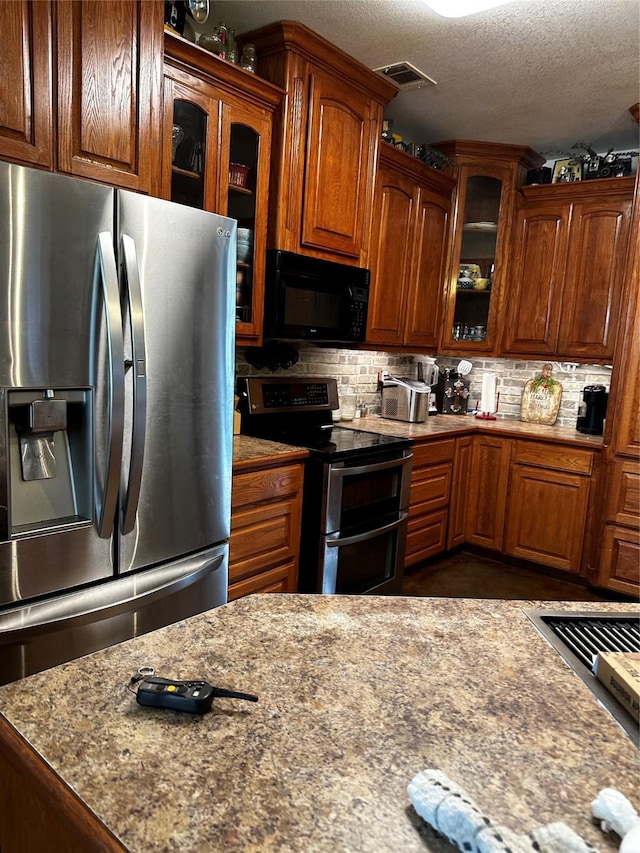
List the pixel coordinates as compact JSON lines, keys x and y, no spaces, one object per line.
{"x":325,"y":143}
{"x":392,"y":250}
{"x":429,"y":261}
{"x":109,"y":90}
{"x":338,"y":168}
{"x":594,"y":276}
{"x":217,"y":156}
{"x":25,"y":83}
{"x":191,"y":149}
{"x":534,"y":296}
{"x":408,"y":251}
{"x":244,"y":179}
{"x":487,"y":174}
{"x":566,"y":272}
{"x":476,"y":273}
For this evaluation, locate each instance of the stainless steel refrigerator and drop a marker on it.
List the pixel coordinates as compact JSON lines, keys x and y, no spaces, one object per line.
{"x":116,"y":405}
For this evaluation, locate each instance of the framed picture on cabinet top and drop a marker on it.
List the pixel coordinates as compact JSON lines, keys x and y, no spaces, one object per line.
{"x":567,"y":171}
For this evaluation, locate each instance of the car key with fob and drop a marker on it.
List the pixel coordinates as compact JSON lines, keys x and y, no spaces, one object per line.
{"x":192,"y":696}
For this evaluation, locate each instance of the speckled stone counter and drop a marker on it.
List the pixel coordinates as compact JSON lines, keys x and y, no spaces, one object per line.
{"x":357,"y":694}
{"x":252,"y":452}
{"x":442,"y":426}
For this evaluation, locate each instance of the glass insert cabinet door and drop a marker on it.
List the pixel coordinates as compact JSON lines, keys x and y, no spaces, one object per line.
{"x":475,"y":273}
{"x":218,"y":161}
{"x":244,"y":178}
{"x":188,"y":154}
{"x":244,"y":148}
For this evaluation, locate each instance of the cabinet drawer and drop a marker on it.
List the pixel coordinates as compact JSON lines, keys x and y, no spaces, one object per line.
{"x":620,"y":559}
{"x":426,"y":537}
{"x":280,"y":579}
{"x":430,"y":488}
{"x":574,"y":460}
{"x":624,"y":494}
{"x":266,"y":485}
{"x":432,"y":452}
{"x":262,"y":536}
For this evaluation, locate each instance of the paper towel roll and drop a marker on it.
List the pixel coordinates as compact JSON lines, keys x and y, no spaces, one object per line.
{"x":488,"y":398}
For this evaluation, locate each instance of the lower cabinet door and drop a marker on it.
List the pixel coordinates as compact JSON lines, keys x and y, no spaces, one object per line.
{"x":546,"y":516}
{"x":487,"y":496}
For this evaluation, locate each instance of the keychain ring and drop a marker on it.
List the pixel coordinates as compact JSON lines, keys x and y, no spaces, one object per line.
{"x":146,"y":671}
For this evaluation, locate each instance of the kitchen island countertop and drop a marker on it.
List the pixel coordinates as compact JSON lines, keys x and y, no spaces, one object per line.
{"x":357,"y":694}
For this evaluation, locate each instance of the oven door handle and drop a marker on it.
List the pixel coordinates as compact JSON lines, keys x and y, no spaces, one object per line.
{"x":370,"y":534}
{"x":370,"y":469}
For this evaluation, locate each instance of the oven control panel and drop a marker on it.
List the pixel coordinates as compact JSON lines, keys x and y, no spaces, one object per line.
{"x":295,"y":394}
{"x":282,"y":394}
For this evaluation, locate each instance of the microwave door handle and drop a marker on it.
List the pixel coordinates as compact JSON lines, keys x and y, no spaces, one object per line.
{"x":106,"y":285}
{"x":370,"y":534}
{"x":133,"y":290}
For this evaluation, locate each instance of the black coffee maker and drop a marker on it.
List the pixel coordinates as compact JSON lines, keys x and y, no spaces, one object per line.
{"x":593,"y":410}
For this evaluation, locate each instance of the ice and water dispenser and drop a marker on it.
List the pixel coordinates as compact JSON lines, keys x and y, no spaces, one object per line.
{"x":47,"y":472}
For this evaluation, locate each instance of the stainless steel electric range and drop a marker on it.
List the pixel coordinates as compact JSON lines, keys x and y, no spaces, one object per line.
{"x":356,"y":491}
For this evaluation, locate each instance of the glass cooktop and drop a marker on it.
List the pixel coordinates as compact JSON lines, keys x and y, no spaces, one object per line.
{"x":338,"y":442}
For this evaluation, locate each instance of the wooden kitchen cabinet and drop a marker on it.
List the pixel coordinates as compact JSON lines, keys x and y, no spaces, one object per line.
{"x":567,"y":269}
{"x":26,"y":86}
{"x":616,"y":563}
{"x":325,"y":143}
{"x":549,"y":491}
{"x":109,"y":90}
{"x":487,"y":176}
{"x":88,"y":76}
{"x":190,"y":176}
{"x":487,"y":491}
{"x":222,"y":160}
{"x":266,"y":508}
{"x":410,"y":231}
{"x":431,"y":478}
{"x":456,"y":533}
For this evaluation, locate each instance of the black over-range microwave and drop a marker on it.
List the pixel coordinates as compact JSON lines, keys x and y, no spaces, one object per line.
{"x":309,"y":299}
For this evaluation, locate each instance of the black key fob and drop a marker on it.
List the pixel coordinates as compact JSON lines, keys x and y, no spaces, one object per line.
{"x":194,"y":697}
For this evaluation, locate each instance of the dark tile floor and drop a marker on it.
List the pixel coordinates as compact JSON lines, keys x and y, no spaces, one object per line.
{"x":467,"y":575}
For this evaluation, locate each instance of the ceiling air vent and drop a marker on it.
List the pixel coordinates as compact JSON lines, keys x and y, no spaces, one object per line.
{"x":405,"y":75}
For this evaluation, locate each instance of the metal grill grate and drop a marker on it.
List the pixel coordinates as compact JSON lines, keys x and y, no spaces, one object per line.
{"x":579,"y":637}
{"x":586,"y":637}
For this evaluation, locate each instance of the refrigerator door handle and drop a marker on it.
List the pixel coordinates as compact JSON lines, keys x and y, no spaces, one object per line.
{"x":106,"y":269}
{"x":131,"y":281}
{"x":101,"y":602}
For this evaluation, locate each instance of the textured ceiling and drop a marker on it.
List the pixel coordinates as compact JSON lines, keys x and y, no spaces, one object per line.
{"x":544,"y":73}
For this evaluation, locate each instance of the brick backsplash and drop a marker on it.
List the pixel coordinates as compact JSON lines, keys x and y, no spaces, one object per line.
{"x":359,"y":370}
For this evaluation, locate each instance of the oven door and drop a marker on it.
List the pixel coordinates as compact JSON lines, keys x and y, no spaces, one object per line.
{"x":370,"y":562}
{"x":363,"y":495}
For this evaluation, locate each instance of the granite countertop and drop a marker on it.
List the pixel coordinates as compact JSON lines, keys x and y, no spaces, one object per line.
{"x":442,"y":426}
{"x":357,"y":694}
{"x":250,"y":452}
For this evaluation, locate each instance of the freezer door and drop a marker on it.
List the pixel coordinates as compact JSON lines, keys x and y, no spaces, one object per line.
{"x":177,"y":269}
{"x":51,"y":306}
{"x":62,"y":628}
